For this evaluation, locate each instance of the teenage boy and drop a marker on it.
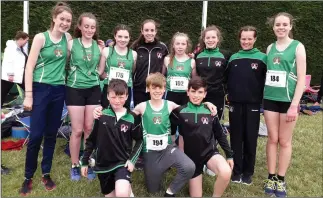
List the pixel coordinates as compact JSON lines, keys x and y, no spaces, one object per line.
{"x":112,"y":138}
{"x":200,"y":131}
{"x":159,"y":153}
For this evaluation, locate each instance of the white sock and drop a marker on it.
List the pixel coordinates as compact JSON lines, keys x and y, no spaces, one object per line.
{"x":169,"y":192}
{"x":131,"y":194}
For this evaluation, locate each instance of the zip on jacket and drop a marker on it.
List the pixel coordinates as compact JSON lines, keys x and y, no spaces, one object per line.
{"x":150,"y":59}
{"x":112,"y":141}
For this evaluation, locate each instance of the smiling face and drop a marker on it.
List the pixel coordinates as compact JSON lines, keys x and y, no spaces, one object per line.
{"x":122,"y":38}
{"x":282,"y":26}
{"x":247,"y":40}
{"x":149,"y":32}
{"x":211,"y":39}
{"x":196,"y":96}
{"x":87,"y":27}
{"x":62,"y":22}
{"x":156,"y":92}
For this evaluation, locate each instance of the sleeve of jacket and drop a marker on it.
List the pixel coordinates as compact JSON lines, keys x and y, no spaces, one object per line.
{"x":221,"y":137}
{"x":227,"y":55}
{"x":137,"y":135}
{"x":90,"y":144}
{"x":174,"y":120}
{"x":8,"y":60}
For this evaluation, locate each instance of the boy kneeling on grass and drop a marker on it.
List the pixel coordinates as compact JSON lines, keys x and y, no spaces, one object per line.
{"x":200,"y":130}
{"x":112,"y":138}
{"x":159,"y":152}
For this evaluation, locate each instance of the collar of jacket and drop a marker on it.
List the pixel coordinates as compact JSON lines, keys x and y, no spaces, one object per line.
{"x":211,"y":51}
{"x":251,"y":51}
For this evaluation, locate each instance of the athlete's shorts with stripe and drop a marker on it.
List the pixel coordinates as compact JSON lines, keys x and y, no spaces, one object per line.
{"x":108,"y":180}
{"x":199,"y":163}
{"x":276,"y":106}
{"x":83,"y":97}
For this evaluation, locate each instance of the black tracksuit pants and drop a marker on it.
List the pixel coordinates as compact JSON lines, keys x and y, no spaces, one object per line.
{"x":244,"y":121}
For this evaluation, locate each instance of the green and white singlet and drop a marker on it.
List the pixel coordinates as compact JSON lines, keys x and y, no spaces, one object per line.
{"x":156,"y":128}
{"x":178,"y":75}
{"x":51,"y":62}
{"x":281,"y":77}
{"x":119,"y":66}
{"x":83,"y":65}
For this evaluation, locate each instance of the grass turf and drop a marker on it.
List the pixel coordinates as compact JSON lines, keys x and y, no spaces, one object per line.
{"x":304,"y":177}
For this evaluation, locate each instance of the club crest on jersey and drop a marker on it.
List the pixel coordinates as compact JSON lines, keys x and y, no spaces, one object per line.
{"x":205,"y":120}
{"x":180,"y":68}
{"x":124,"y":128}
{"x":58,"y":53}
{"x":121,"y":64}
{"x":218,"y":63}
{"x":276,"y":60}
{"x":159,"y":55}
{"x":157,"y":120}
{"x":254,"y":65}
{"x":88,"y":57}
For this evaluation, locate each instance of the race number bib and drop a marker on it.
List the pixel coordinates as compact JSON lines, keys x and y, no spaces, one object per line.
{"x":276,"y":78}
{"x":157,"y":142}
{"x":178,"y":83}
{"x":119,"y":73}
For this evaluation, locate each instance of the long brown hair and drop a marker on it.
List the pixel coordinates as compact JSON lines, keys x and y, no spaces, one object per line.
{"x":271,"y":21}
{"x":171,"y":47}
{"x":141,"y":38}
{"x":210,"y":28}
{"x":77,"y":31}
{"x":115,"y":31}
{"x":57,"y":9}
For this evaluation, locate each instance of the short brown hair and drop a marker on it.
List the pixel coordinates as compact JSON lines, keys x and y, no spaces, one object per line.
{"x":21,"y":34}
{"x":197,"y":82}
{"x":156,"y":79}
{"x":119,"y":87}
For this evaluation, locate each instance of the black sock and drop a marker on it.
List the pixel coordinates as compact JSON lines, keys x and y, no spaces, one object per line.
{"x":271,"y":176}
{"x":169,"y":195}
{"x":281,"y":178}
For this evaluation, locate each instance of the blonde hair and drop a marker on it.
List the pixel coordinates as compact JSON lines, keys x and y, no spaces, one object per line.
{"x":172,"y":51}
{"x":156,"y":79}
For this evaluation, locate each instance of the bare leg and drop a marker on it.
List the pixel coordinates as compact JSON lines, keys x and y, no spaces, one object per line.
{"x":272,"y":122}
{"x":76,"y":114}
{"x":285,"y":144}
{"x":195,"y":186}
{"x":219,"y":165}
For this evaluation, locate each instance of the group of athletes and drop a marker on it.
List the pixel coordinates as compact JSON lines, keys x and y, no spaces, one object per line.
{"x":176,"y":91}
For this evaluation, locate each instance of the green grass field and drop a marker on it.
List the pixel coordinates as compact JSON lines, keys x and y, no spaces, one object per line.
{"x":304,"y":177}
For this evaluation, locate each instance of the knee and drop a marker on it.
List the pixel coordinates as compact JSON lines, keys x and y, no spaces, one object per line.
{"x":285,"y":144}
{"x":272,"y":140}
{"x":189,"y":169}
{"x":88,"y":128}
{"x":225,"y":173}
{"x":122,"y":192}
{"x":77,"y":133}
